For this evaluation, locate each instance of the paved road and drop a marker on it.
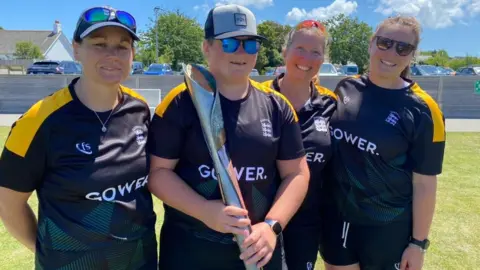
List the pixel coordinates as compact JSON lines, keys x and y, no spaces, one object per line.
{"x":452,"y":125}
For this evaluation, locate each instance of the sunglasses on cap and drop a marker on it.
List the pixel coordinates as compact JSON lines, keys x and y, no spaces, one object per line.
{"x":402,"y":48}
{"x":231,"y":45}
{"x":103,"y":14}
{"x":310,"y":24}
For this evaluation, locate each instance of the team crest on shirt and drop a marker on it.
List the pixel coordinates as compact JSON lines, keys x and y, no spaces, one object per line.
{"x":139,"y":135}
{"x":320,"y":124}
{"x":392,"y":118}
{"x":266,"y":127}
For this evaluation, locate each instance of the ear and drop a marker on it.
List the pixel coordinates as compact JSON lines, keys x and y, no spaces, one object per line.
{"x":370,"y":45}
{"x":76,"y":50}
{"x":205,"y":48}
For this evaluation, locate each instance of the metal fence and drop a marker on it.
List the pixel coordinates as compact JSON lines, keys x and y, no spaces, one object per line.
{"x":455,"y":94}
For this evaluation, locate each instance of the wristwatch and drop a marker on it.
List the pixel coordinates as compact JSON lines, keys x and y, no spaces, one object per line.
{"x":423,"y":245}
{"x":275,"y":225}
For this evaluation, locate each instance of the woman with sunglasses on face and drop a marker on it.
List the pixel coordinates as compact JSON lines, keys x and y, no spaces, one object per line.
{"x":82,"y":149}
{"x":388,"y":141}
{"x":265,"y":146}
{"x":303,"y":54}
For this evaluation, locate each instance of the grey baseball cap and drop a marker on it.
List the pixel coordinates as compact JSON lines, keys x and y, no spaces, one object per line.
{"x":230,"y":21}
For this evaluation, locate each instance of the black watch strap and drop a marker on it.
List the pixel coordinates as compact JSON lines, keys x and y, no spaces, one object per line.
{"x":423,"y":244}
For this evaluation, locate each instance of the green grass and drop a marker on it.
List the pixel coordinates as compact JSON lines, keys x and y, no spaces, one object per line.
{"x":455,"y":231}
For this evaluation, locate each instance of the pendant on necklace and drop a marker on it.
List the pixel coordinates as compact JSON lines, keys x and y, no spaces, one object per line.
{"x":104,"y":129}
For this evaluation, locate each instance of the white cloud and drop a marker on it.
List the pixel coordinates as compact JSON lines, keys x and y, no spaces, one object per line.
{"x":474,"y":7}
{"x":323,"y":13}
{"x":255,"y":3}
{"x":204,"y":8}
{"x":431,"y":13}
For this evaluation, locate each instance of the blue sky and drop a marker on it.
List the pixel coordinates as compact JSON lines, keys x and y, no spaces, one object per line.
{"x":447,"y":24}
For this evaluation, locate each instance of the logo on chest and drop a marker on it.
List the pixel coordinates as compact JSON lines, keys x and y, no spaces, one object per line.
{"x":392,"y":118}
{"x":320,"y":124}
{"x":139,"y":135}
{"x":84,"y":148}
{"x":266,"y":127}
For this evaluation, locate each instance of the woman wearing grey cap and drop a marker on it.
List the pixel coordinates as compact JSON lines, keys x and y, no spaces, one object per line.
{"x":82,"y":149}
{"x":265,"y":146}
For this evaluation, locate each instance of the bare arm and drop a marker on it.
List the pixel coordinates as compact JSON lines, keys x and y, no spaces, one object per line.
{"x":424,"y":198}
{"x":165,"y":184}
{"x":295,"y":176}
{"x":18,"y":217}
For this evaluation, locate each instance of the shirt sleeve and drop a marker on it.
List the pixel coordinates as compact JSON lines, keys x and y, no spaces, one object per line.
{"x":167,"y":128}
{"x":23,"y":159}
{"x":428,"y":146}
{"x":291,"y":144}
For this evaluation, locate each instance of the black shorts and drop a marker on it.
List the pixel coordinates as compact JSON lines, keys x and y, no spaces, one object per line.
{"x":182,"y":250}
{"x":373,"y":247}
{"x":301,"y":246}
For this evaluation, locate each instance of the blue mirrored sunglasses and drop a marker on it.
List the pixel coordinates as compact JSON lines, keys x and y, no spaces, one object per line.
{"x":101,"y":14}
{"x":231,"y":45}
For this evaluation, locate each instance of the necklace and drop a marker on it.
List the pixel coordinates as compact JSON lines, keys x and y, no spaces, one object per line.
{"x":104,"y":129}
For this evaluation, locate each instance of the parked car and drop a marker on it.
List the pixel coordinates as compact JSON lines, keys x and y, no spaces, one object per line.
{"x":55,"y":67}
{"x":279,"y":70}
{"x":425,"y":70}
{"x":269,"y":72}
{"x":328,"y":69}
{"x":159,"y":69}
{"x":254,"y":72}
{"x":349,"y":70}
{"x":468,"y":71}
{"x":137,"y":68}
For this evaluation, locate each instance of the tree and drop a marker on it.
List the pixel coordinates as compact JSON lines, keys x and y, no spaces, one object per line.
{"x":27,"y":50}
{"x":349,"y":41}
{"x":270,"y":54}
{"x":1,"y":28}
{"x":179,"y":40}
{"x":439,"y":58}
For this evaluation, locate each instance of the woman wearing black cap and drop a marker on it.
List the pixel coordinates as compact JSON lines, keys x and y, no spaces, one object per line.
{"x":82,"y":149}
{"x":265,"y":145}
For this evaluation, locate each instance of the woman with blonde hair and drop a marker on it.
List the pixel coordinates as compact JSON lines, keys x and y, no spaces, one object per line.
{"x":388,"y":141}
{"x":303,"y":54}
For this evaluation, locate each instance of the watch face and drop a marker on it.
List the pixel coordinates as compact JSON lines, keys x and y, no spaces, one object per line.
{"x":427,"y":244}
{"x":277,"y":228}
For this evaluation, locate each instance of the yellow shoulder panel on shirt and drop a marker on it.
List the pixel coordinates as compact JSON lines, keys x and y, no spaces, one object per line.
{"x":133,"y":94}
{"x":268,"y":83}
{"x":162,"y":107}
{"x":27,"y":126}
{"x":437,"y":116}
{"x":325,"y":91}
{"x":269,"y":90}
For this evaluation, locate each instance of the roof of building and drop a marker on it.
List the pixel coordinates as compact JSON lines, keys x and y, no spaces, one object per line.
{"x":9,"y":39}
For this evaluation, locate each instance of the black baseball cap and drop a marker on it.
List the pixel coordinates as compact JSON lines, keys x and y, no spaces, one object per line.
{"x":97,"y":17}
{"x":232,"y":20}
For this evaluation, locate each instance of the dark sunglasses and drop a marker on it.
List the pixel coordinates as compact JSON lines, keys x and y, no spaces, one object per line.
{"x":102,"y":14}
{"x":402,"y":48}
{"x":310,"y":24}
{"x":231,"y":45}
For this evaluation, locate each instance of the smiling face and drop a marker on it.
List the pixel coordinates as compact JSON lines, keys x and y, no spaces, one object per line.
{"x":229,"y":67}
{"x":106,"y":55}
{"x":387,"y":62}
{"x":304,"y":54}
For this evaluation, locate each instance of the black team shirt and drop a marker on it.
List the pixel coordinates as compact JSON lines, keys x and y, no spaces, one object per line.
{"x":95,"y":211}
{"x":314,"y":118}
{"x":260,"y":129}
{"x":379,"y":138}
